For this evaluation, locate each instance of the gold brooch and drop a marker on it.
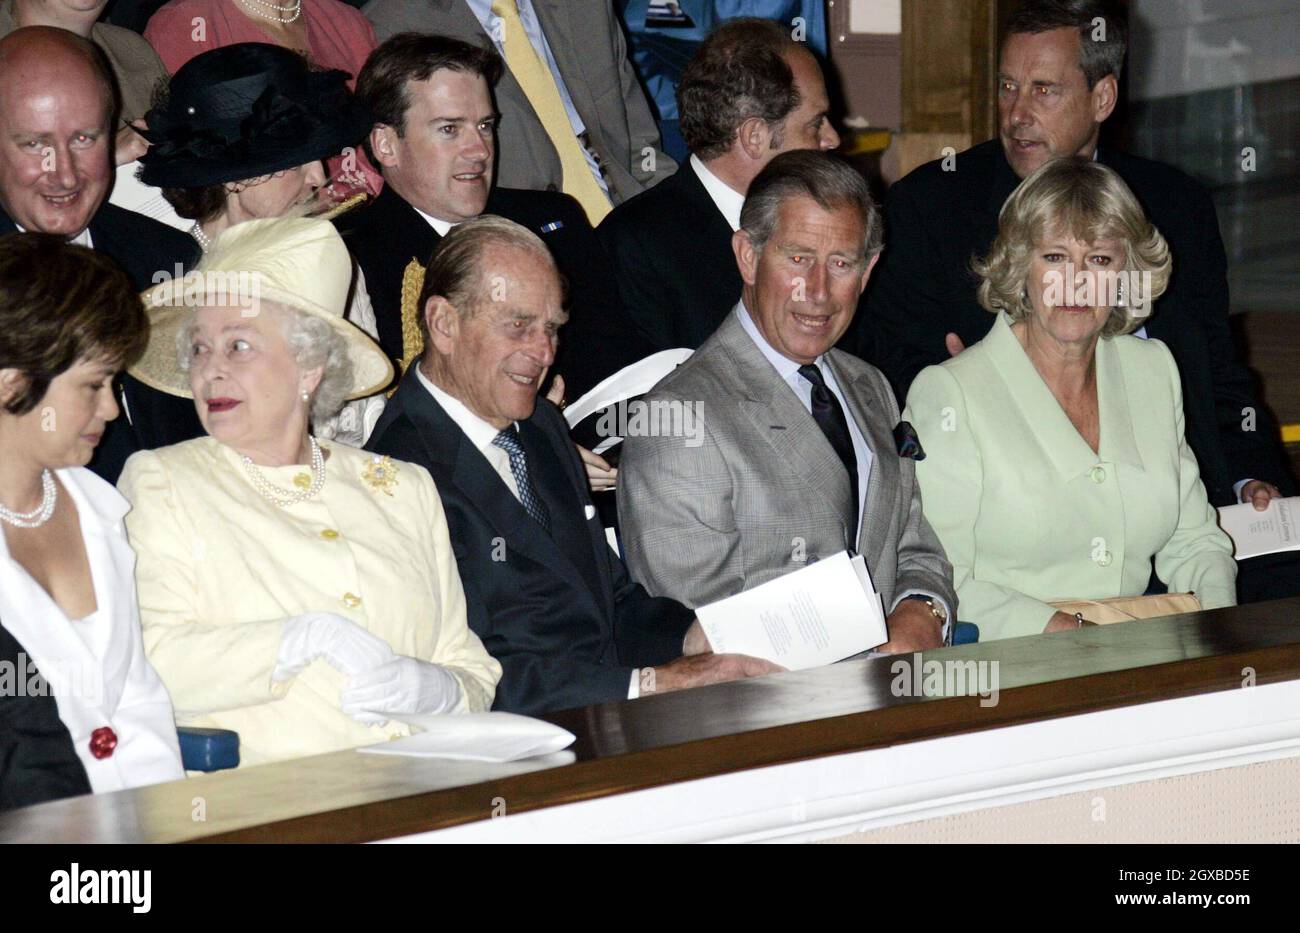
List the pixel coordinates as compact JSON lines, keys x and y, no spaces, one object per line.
{"x":381,"y":475}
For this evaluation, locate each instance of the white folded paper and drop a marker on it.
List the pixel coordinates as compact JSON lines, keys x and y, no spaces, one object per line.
{"x":495,"y":737}
{"x":816,"y":615}
{"x":134,"y":195}
{"x":629,"y":382}
{"x":1253,"y":533}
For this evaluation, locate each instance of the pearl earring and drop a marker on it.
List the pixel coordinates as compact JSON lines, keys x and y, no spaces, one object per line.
{"x":306,"y":397}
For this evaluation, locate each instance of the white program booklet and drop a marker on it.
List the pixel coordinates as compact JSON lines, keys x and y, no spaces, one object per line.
{"x":816,"y":615}
{"x":1253,"y":533}
{"x":134,"y":195}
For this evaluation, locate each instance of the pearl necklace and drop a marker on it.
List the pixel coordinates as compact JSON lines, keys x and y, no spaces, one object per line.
{"x":277,"y":496}
{"x":39,"y":515}
{"x":204,"y":241}
{"x":277,"y":14}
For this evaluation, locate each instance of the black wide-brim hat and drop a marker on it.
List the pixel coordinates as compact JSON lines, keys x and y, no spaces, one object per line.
{"x":247,"y":110}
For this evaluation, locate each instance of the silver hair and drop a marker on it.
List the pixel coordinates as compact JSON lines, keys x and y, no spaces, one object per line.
{"x":313,"y":342}
{"x":803,"y":173}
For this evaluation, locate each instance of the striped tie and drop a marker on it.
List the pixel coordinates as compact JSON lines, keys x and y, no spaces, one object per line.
{"x":508,"y":441}
{"x":539,"y":87}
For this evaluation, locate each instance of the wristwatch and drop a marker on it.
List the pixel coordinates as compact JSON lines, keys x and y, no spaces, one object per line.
{"x":936,"y":610}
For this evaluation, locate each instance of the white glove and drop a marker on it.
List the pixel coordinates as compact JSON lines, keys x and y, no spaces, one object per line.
{"x":403,"y":685}
{"x":339,"y":641}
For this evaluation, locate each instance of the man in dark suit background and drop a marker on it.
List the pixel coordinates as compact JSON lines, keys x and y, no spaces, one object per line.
{"x":1057,"y":83}
{"x":750,"y":93}
{"x":37,"y":760}
{"x":56,"y":166}
{"x":434,"y":141}
{"x":545,"y":592}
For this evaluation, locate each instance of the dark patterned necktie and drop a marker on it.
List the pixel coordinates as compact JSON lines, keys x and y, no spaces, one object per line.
{"x":829,"y":415}
{"x":508,"y":440}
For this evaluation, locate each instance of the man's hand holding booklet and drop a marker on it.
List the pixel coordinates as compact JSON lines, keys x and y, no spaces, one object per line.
{"x":817,"y":615}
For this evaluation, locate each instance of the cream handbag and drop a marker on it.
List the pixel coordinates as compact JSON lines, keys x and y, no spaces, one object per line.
{"x":1129,"y":608}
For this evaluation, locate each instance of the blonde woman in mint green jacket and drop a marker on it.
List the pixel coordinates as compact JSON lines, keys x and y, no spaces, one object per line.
{"x":1056,"y":466}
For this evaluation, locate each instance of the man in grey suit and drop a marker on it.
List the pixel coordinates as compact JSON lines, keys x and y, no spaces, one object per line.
{"x":581,"y":41}
{"x":793,"y":457}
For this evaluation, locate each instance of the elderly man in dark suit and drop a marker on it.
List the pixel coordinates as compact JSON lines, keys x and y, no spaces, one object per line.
{"x":546,"y":594}
{"x":434,"y":140}
{"x":1057,"y":83}
{"x":797,"y":459}
{"x":56,"y":166}
{"x":750,"y":93}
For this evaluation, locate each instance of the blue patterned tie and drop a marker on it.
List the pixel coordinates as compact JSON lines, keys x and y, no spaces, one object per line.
{"x":508,"y":440}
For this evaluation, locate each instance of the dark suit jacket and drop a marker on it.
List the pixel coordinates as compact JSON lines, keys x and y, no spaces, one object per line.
{"x":144,"y":248}
{"x":385,"y":235}
{"x":37,"y":760}
{"x":676,"y":273}
{"x":922,"y":289}
{"x":559,"y":611}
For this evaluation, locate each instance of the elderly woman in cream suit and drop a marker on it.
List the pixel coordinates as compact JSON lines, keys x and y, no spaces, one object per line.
{"x":302,"y":594}
{"x":1056,"y":465}
{"x":69,"y":320}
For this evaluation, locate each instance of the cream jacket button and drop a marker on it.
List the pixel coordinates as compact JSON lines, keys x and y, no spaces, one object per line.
{"x":302,"y":480}
{"x":329,"y":534}
{"x":351,"y":600}
{"x":1098,"y":474}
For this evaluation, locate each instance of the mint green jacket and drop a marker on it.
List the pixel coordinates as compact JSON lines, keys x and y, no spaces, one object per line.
{"x":1026,"y":511}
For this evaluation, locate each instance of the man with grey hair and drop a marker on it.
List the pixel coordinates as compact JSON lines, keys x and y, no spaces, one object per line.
{"x":546,"y":594}
{"x":1058,"y":74}
{"x":798,"y":459}
{"x":750,"y":93}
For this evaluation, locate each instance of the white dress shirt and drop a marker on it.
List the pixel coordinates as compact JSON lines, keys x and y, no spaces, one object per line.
{"x":491,"y":23}
{"x":440,"y":226}
{"x":81,"y":239}
{"x":725,"y":198}
{"x":479,"y":432}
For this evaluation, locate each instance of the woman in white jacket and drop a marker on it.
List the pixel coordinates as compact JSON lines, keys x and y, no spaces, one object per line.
{"x":69,"y":320}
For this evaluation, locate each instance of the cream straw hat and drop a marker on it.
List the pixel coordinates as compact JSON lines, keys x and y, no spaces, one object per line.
{"x":298,"y":262}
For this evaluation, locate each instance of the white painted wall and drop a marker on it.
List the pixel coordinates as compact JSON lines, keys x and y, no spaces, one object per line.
{"x":880,"y":17}
{"x":1185,"y":46}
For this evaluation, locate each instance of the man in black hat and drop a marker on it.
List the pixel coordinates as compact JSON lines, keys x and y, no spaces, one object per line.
{"x":56,"y":167}
{"x":434,"y":140}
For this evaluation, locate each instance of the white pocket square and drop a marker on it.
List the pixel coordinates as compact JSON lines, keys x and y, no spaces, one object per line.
{"x":590,"y":511}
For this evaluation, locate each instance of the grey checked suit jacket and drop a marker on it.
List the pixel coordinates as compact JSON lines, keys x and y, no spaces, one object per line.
{"x":587,"y":41}
{"x":765,"y":486}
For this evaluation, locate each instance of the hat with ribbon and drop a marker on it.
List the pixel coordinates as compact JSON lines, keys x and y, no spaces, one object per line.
{"x":294,"y":262}
{"x":247,"y":110}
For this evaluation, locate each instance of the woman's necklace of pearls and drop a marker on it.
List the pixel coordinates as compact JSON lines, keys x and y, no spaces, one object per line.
{"x":277,"y":496}
{"x":276,"y":13}
{"x":39,"y":515}
{"x":204,"y":241}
